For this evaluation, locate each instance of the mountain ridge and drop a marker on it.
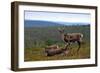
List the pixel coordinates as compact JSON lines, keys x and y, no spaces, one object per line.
{"x":41,"y":23}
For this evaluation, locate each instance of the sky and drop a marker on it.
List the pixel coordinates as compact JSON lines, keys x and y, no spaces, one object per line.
{"x":58,"y":16}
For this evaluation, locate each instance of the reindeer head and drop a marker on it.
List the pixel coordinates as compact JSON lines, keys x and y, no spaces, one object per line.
{"x":61,"y":30}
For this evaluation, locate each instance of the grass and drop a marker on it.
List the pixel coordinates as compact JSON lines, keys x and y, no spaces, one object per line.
{"x":37,"y":54}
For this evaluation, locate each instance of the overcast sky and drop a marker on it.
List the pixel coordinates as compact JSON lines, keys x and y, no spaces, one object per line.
{"x":57,"y":17}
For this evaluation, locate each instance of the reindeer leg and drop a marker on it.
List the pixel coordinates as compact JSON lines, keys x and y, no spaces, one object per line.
{"x":69,"y":48}
{"x":79,"y":44}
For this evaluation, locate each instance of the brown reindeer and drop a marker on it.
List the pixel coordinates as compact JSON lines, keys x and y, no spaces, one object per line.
{"x":51,"y":51}
{"x":71,"y":37}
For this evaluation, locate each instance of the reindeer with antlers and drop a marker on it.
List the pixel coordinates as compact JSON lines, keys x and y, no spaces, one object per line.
{"x":71,"y":37}
{"x":56,"y":50}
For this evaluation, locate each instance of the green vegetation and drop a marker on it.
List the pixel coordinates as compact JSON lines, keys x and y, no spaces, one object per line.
{"x":37,"y":38}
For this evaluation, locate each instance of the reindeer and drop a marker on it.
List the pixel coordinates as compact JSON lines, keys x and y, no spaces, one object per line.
{"x":50,"y":51}
{"x":71,"y":37}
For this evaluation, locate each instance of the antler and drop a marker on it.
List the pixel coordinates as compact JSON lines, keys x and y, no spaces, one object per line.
{"x":63,"y":27}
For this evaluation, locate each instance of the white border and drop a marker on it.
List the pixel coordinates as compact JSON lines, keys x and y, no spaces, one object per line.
{"x":23,"y":64}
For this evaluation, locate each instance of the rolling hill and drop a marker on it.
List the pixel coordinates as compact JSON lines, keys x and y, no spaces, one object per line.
{"x":41,"y":23}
